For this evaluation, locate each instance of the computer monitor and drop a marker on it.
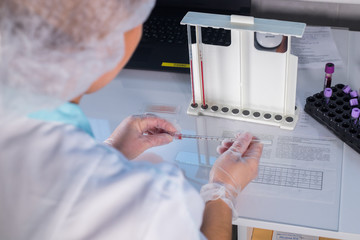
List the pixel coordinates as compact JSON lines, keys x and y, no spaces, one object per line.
{"x":163,"y":46}
{"x":210,"y":6}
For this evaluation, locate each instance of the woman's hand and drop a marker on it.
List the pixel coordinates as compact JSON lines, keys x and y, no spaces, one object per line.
{"x":238,"y":163}
{"x":232,"y":171}
{"x":138,"y":133}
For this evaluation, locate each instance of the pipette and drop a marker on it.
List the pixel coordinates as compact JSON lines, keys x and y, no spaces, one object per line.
{"x":194,"y":104}
{"x":199,"y":45}
{"x":179,"y":136}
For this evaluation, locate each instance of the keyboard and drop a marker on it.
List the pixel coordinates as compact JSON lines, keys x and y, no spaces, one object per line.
{"x":168,"y":30}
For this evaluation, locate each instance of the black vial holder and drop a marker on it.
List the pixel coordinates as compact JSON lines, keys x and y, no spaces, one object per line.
{"x":335,"y":115}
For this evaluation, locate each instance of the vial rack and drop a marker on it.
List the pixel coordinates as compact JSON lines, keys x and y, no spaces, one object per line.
{"x":243,"y":81}
{"x":335,"y":114}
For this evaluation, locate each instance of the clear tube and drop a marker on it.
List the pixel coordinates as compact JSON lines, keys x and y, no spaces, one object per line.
{"x":327,"y":94}
{"x":355,"y":113}
{"x":329,"y":70}
{"x":191,"y":65}
{"x":327,"y":81}
{"x":180,"y":136}
{"x":199,"y":45}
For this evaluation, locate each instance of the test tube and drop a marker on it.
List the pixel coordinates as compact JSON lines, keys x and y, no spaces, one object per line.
{"x":193,"y":104}
{"x":354,"y":94}
{"x":354,"y":102}
{"x":329,"y":70}
{"x":327,"y":94}
{"x":355,"y":113}
{"x":201,"y":67}
{"x":346,"y":89}
{"x":354,"y":98}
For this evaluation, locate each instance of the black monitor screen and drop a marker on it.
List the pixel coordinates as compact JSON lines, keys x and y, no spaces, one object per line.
{"x":215,"y":6}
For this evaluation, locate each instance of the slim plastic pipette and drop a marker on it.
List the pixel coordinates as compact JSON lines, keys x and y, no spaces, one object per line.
{"x":191,"y":64}
{"x":180,"y":136}
{"x":199,"y":45}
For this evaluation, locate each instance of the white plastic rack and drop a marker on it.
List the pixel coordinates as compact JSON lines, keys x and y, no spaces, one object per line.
{"x":243,"y":81}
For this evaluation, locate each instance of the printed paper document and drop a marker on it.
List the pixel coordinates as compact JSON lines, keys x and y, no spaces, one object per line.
{"x":316,"y":48}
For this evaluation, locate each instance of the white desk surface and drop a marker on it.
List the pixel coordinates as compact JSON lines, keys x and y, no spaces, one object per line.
{"x":133,"y":90}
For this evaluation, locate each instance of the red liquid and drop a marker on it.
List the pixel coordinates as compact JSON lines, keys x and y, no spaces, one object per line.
{"x":327,"y":82}
{"x":203,"y":87}
{"x":192,"y":82}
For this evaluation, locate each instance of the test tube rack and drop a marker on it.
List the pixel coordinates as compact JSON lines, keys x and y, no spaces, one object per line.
{"x":335,"y":114}
{"x":240,"y":81}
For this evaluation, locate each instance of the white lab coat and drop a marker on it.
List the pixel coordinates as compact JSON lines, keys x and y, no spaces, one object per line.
{"x":56,"y":182}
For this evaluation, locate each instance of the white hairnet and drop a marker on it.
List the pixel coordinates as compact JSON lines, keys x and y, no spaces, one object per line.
{"x":53,"y":50}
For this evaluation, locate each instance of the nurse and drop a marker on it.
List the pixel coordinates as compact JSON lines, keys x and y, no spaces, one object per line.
{"x":56,"y":181}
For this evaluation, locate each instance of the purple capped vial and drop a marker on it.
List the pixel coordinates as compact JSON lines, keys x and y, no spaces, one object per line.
{"x":354,"y":94}
{"x":355,"y":113}
{"x":354,"y":102}
{"x":329,"y":70}
{"x":327,"y":94}
{"x":346,"y":89}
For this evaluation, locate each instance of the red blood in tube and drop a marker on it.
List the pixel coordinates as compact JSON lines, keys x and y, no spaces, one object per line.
{"x":192,"y":82}
{"x":203,"y":87}
{"x":327,"y":82}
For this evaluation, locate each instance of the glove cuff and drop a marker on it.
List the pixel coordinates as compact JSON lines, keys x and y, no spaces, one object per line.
{"x":225,"y":192}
